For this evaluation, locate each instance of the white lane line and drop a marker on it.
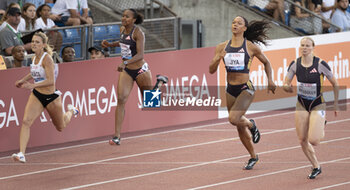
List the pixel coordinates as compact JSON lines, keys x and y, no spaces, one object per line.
{"x":147,"y":135}
{"x":331,"y":186}
{"x":141,"y":154}
{"x":159,"y":133}
{"x":266,"y":174}
{"x":135,"y":155}
{"x":155,"y":163}
{"x":192,"y":166}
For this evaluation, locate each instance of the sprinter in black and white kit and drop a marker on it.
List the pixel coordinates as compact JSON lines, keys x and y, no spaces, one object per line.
{"x":237,"y":55}
{"x":133,"y":67}
{"x":310,"y":112}
{"x":44,"y":94}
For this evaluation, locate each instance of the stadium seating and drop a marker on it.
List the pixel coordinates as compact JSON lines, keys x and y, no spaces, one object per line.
{"x":71,"y":37}
{"x":100,"y":32}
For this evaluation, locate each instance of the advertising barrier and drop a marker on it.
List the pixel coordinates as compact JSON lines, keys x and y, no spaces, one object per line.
{"x":92,"y":87}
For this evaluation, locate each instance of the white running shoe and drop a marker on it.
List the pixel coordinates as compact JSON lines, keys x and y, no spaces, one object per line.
{"x":19,"y":157}
{"x":75,"y":110}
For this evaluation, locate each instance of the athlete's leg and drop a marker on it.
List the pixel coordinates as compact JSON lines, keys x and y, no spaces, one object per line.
{"x":316,"y":134}
{"x":316,"y":125}
{"x":237,"y":108}
{"x":32,"y":111}
{"x":125,"y":84}
{"x":144,"y":81}
{"x":59,"y":119}
{"x":302,"y":128}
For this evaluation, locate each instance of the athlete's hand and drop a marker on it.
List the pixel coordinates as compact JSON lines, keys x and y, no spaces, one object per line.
{"x":336,"y":110}
{"x":271,"y":87}
{"x":288,"y":88}
{"x":121,"y":67}
{"x":19,"y":83}
{"x":27,"y":85}
{"x":105,"y":44}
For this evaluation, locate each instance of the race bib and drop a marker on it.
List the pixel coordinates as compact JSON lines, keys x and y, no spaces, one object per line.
{"x":234,"y":61}
{"x":125,"y":51}
{"x":307,"y":90}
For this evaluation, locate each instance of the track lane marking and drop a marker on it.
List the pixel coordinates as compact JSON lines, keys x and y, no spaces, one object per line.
{"x":195,"y":165}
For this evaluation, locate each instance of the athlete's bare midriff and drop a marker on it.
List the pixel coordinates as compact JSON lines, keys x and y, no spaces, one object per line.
{"x":237,"y":78}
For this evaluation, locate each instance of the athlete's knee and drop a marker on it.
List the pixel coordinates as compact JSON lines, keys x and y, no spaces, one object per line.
{"x":303,"y":141}
{"x":315,"y":141}
{"x":122,"y":100}
{"x":234,"y":120}
{"x":26,"y":123}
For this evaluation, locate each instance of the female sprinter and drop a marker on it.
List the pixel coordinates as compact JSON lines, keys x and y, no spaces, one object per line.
{"x":44,"y":94}
{"x":133,"y":68}
{"x":237,"y":55}
{"x":310,"y":109}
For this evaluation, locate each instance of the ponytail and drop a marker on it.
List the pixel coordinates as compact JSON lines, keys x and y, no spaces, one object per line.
{"x":256,"y":31}
{"x":43,"y":36}
{"x":138,"y":16}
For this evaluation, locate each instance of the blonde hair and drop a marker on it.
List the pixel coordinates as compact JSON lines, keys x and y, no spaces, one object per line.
{"x":308,"y":38}
{"x":47,"y":47}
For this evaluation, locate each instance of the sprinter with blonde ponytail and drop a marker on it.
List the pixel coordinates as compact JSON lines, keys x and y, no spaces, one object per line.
{"x":44,"y":94}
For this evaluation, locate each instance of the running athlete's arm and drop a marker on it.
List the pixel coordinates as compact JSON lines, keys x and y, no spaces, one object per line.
{"x":139,"y":37}
{"x":106,"y":44}
{"x":256,"y":51}
{"x":287,"y":83}
{"x":334,"y":83}
{"x":326,"y":71}
{"x":219,"y":54}
{"x":24,"y":79}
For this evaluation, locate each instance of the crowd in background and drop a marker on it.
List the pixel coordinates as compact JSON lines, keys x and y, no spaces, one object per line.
{"x":301,"y":16}
{"x":21,"y":16}
{"x":18,"y":17}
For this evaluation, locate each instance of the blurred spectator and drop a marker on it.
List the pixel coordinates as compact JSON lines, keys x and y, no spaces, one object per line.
{"x":304,"y":21}
{"x":3,"y":21}
{"x":96,"y":52}
{"x":68,"y":54}
{"x":327,"y":9}
{"x":28,"y":14}
{"x":18,"y":54}
{"x":37,"y":3}
{"x":275,"y":8}
{"x":10,"y":36}
{"x":67,"y":12}
{"x":2,"y":63}
{"x":83,"y":11}
{"x":4,"y":4}
{"x":44,"y":22}
{"x":341,"y":17}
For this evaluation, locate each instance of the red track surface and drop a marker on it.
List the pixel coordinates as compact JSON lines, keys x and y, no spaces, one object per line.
{"x":206,"y":156}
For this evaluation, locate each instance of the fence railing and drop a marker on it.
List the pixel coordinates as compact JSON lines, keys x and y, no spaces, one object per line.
{"x":147,"y":6}
{"x":162,"y":34}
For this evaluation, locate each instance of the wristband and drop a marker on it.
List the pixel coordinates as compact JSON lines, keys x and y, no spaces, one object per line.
{"x":125,"y":62}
